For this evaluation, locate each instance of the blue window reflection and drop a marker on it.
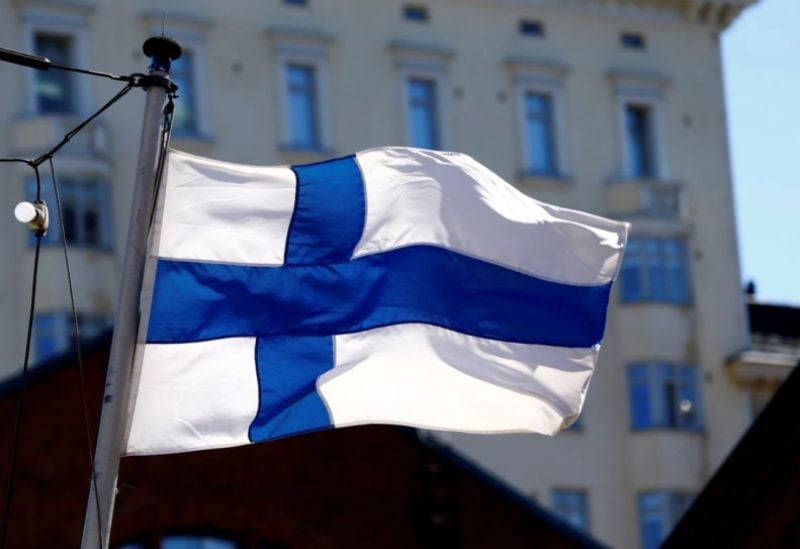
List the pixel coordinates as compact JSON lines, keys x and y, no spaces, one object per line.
{"x":664,"y":396}
{"x":640,"y":134}
{"x":659,"y":512}
{"x":572,"y":506}
{"x":303,"y":115}
{"x":85,"y":208}
{"x":423,"y":113}
{"x":197,"y":542}
{"x":655,"y":269}
{"x":54,"y":88}
{"x":184,"y":121}
{"x":540,"y":133}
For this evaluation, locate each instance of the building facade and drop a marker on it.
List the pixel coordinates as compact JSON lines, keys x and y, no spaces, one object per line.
{"x":373,"y":486}
{"x":608,"y":106}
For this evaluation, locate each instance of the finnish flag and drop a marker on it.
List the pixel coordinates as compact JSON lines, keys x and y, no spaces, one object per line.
{"x":396,"y":285}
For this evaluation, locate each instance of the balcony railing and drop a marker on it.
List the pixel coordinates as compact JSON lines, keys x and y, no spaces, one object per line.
{"x":643,"y":198}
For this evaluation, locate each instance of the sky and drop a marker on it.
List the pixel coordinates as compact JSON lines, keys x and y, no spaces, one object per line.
{"x":761,"y":59}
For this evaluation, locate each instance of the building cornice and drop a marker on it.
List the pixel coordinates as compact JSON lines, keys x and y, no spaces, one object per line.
{"x":714,"y":13}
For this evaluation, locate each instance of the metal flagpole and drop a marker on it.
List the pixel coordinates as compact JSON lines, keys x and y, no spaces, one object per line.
{"x":99,"y":511}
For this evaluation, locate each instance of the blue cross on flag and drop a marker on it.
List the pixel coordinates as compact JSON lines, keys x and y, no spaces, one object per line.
{"x":396,"y":285}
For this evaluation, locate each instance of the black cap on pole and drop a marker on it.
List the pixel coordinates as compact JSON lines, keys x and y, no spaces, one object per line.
{"x":161,"y":51}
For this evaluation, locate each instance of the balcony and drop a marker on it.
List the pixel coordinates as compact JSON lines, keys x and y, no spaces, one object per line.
{"x":646,"y":199}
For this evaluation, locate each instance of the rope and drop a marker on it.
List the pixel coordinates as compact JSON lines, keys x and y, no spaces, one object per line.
{"x":34,"y":164}
{"x":23,"y":383}
{"x":72,"y":133}
{"x":166,"y":133}
{"x":84,"y":399}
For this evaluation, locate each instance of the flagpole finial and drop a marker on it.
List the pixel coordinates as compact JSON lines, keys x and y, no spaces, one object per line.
{"x":161,"y":50}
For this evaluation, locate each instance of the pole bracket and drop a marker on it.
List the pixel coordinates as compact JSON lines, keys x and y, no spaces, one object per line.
{"x":149,"y":80}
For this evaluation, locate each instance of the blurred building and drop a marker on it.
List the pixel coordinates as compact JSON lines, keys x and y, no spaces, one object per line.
{"x":372,"y":486}
{"x":773,"y":354}
{"x":610,"y":106}
{"x":752,"y":499}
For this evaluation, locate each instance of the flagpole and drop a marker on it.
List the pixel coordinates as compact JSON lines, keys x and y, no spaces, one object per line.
{"x":97,"y":526}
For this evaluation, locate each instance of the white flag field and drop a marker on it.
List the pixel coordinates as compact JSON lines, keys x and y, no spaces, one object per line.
{"x":398,"y":286}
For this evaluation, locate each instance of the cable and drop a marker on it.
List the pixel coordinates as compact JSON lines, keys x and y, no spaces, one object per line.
{"x":166,"y":133}
{"x":43,"y":64}
{"x":82,"y":125}
{"x":23,"y":382}
{"x":21,"y":160}
{"x":130,"y":79}
{"x":72,"y":133}
{"x":35,"y":163}
{"x":82,"y":379}
{"x":134,"y":80}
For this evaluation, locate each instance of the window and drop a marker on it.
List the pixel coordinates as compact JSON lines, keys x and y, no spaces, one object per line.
{"x":186,"y":542}
{"x":423,"y":113}
{"x":62,"y":37}
{"x":539,"y":91}
{"x":655,"y":269}
{"x":417,"y":14}
{"x":571,"y":506}
{"x":190,"y":120}
{"x":664,"y":396}
{"x":184,"y":121}
{"x":532,"y":28}
{"x":422,"y":82}
{"x":301,"y":82}
{"x":48,"y":337}
{"x":197,"y":542}
{"x":659,"y":512}
{"x":302,"y":58}
{"x":54,"y":332}
{"x":540,"y":133}
{"x":53,"y":89}
{"x":641,"y":105}
{"x":85,"y":208}
{"x":632,"y":40}
{"x":640,"y":141}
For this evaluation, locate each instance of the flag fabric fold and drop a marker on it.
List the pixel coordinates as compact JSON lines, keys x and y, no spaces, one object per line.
{"x":396,"y":285}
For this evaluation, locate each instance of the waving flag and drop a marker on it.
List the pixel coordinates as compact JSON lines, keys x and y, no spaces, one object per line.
{"x":395,"y":285}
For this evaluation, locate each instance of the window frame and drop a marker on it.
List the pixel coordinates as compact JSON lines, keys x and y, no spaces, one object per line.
{"x":75,"y":184}
{"x":650,"y":139}
{"x":639,"y":254}
{"x":423,"y":62}
{"x":308,"y":48}
{"x":572,"y":495}
{"x":434,"y":114}
{"x":191,"y":33}
{"x":670,"y":508}
{"x":552,"y":124}
{"x":531,"y":28}
{"x":416,"y":13}
{"x":633,"y":40}
{"x":310,"y":95}
{"x":640,"y":89}
{"x":72,"y":26}
{"x":90,"y":324}
{"x":541,"y":77}
{"x":654,"y":376}
{"x":199,"y":118}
